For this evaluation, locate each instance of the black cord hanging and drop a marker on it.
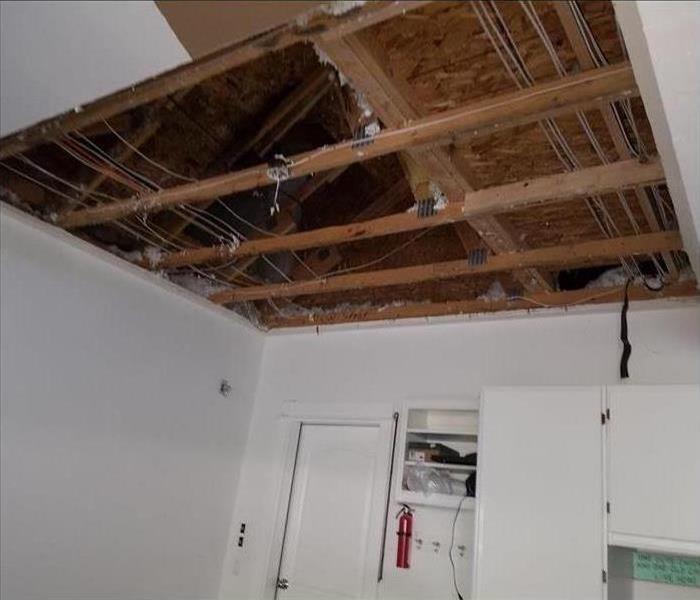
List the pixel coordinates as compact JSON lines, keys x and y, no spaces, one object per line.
{"x":469,"y":490}
{"x":624,"y":338}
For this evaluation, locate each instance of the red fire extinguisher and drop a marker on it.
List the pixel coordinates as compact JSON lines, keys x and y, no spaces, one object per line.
{"x":405,"y":517}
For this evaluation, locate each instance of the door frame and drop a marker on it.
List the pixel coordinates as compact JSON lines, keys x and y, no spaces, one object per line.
{"x":293,"y":417}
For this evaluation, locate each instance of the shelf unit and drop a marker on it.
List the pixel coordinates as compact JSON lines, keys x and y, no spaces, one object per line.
{"x":454,"y":426}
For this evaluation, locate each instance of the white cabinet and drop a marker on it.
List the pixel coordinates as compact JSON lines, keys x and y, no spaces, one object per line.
{"x":654,"y":467}
{"x":540,"y":507}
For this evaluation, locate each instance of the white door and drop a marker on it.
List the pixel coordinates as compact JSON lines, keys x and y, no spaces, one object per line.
{"x":334,"y":524}
{"x":540,"y":495}
{"x":654,"y":462}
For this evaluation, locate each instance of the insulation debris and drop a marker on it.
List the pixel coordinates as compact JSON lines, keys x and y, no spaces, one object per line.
{"x":153,"y":255}
{"x":611,"y":278}
{"x":133,"y":256}
{"x":337,"y":8}
{"x":438,"y":201}
{"x":197,"y":284}
{"x":363,"y":104}
{"x":494,"y":293}
{"x":324,"y":59}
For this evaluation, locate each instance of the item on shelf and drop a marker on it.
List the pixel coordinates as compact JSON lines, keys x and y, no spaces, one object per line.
{"x":427,"y":480}
{"x":471,"y":485}
{"x":467,"y":459}
{"x":430,"y":452}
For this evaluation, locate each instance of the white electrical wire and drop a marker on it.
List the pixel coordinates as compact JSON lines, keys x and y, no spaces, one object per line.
{"x":504,"y":44}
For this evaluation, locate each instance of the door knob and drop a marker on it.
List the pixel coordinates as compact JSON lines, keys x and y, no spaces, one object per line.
{"x":282,"y":584}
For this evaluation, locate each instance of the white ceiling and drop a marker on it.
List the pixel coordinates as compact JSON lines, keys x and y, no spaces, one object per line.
{"x":57,"y":55}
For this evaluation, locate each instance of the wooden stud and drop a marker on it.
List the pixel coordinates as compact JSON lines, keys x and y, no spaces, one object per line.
{"x":583,"y":55}
{"x":390,"y":100}
{"x":286,"y":224}
{"x":488,"y":201}
{"x":583,"y":253}
{"x":505,"y":110}
{"x":290,"y":111}
{"x":538,"y":300}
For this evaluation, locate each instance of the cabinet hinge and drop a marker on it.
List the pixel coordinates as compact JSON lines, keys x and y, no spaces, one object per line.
{"x":607,"y":507}
{"x":605,"y":576}
{"x":602,"y":418}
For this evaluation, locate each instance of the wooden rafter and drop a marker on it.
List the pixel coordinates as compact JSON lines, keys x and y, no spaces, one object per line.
{"x":487,"y":201}
{"x":324,"y":260}
{"x":585,"y":60}
{"x":286,"y":224}
{"x":583,"y":253}
{"x":503,"y":111}
{"x":394,"y":107}
{"x":319,"y":27}
{"x":292,"y":109}
{"x":537,"y":300}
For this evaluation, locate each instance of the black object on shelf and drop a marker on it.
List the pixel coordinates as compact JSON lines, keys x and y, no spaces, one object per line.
{"x":438,"y":451}
{"x":467,"y":459}
{"x":470,"y":484}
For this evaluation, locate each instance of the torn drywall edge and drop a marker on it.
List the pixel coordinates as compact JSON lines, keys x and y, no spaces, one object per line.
{"x":121,"y":264}
{"x":536,"y":312}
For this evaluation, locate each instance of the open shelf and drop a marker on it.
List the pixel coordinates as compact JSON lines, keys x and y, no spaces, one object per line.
{"x":436,"y":432}
{"x":446,"y":466}
{"x":437,"y":500}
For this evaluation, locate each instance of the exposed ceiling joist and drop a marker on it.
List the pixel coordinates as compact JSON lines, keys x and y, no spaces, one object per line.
{"x":503,"y":111}
{"x":537,"y":300}
{"x":393,"y":106}
{"x":584,"y":253}
{"x":318,"y":27}
{"x":292,"y":109}
{"x":583,"y":56}
{"x":286,"y":223}
{"x":324,"y":260}
{"x":488,"y":201}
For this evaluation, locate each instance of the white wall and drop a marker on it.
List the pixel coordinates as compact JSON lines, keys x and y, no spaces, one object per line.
{"x":662,"y":39}
{"x":120,"y":459}
{"x":391,"y":364}
{"x":56,"y":55}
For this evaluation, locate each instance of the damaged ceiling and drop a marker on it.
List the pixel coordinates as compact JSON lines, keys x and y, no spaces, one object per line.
{"x":383,"y":161}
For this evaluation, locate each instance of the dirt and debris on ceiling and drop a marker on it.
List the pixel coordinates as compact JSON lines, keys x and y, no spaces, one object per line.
{"x":378,"y":162}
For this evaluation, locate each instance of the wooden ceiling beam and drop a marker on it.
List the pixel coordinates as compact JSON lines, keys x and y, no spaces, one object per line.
{"x":586,"y":63}
{"x":391,"y":102}
{"x":324,"y":260}
{"x":286,"y":223}
{"x":537,"y":301}
{"x":319,"y":27}
{"x":488,"y":201}
{"x":505,"y":110}
{"x":584,"y":253}
{"x":292,"y":109}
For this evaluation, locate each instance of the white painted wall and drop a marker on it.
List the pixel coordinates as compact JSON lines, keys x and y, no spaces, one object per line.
{"x":120,"y":459}
{"x":391,"y":364}
{"x":662,"y":39}
{"x":56,"y":55}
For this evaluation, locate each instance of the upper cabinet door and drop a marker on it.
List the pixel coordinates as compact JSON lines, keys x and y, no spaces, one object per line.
{"x":540,"y":498}
{"x":654,"y":465}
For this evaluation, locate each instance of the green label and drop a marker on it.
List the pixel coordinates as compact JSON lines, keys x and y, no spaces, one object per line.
{"x":664,"y":568}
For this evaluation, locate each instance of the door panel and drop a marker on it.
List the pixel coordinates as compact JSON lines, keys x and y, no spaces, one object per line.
{"x":334,"y":523}
{"x":540,"y":495}
{"x":654,"y":461}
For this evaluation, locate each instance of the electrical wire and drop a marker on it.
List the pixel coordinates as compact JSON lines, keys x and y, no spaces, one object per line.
{"x":200,"y":214}
{"x":498,"y":33}
{"x":152,"y":162}
{"x":452,"y":541}
{"x":382,"y":258}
